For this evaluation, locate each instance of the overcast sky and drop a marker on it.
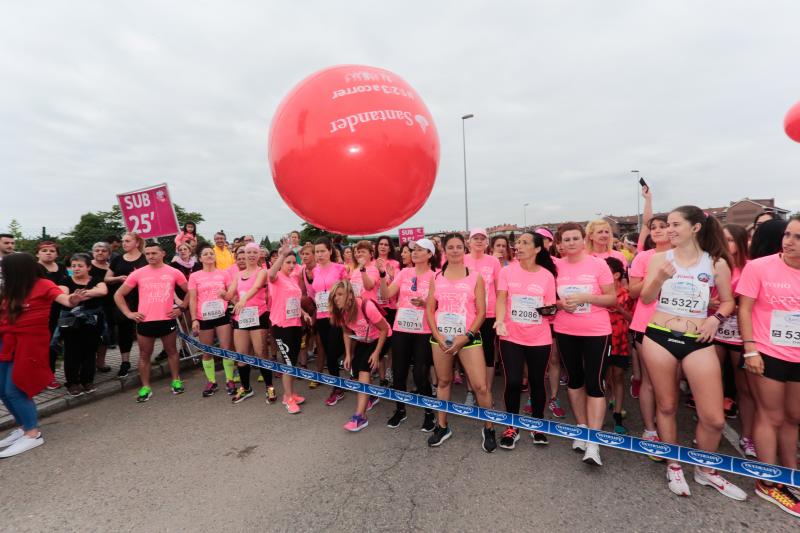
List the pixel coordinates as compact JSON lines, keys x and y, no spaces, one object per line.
{"x":99,"y":98}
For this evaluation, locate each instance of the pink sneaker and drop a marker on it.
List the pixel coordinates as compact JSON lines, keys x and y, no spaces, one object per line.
{"x":371,"y":402}
{"x":291,"y":406}
{"x":356,"y":423}
{"x":299,"y":400}
{"x":334,"y":397}
{"x":556,"y":409}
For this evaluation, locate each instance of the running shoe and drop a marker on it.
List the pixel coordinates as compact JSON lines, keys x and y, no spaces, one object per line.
{"x":779,"y":495}
{"x":539,"y":438}
{"x":619,"y":429}
{"x":563,"y":380}
{"x":75,"y":390}
{"x":313,"y":384}
{"x":677,"y":481}
{"x":527,"y":409}
{"x":428,"y":423}
{"x":210,"y":389}
{"x":592,"y":455}
{"x":230,"y":387}
{"x":731,"y":408}
{"x":457,"y":379}
{"x":356,"y":423}
{"x":334,"y":398}
{"x":145,"y":393}
{"x":299,"y":400}
{"x":440,"y":434}
{"x":242,"y":394}
{"x":291,"y":406}
{"x":748,"y":447}
{"x":555,"y":407}
{"x":372,"y":401}
{"x":271,"y":395}
{"x":489,"y":440}
{"x":124,"y":369}
{"x":579,"y":445}
{"x":12,"y":437}
{"x":53,"y":385}
{"x":397,"y":418}
{"x":725,"y":487}
{"x":509,"y":438}
{"x":89,"y":388}
{"x":22,"y":445}
{"x":469,"y":399}
{"x":177,"y":387}
{"x":384,"y":383}
{"x":653,"y":437}
{"x":636,"y":387}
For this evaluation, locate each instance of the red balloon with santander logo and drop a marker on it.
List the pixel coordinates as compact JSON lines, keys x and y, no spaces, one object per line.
{"x":353,"y":149}
{"x":792,"y":122}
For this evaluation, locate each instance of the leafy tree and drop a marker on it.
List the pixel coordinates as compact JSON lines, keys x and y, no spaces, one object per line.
{"x":265,"y":243}
{"x":310,"y":233}
{"x":15,"y":229}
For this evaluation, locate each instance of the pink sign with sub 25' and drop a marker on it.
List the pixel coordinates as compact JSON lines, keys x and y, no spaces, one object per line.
{"x":410,"y":234}
{"x":149,"y":212}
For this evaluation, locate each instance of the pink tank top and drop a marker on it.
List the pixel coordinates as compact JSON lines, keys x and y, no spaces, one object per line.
{"x":455,"y":304}
{"x":259,"y":299}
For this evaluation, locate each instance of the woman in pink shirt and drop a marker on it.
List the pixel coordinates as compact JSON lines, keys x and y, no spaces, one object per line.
{"x":364,"y":330}
{"x":250,"y":321}
{"x":385,"y":258}
{"x":600,"y":241}
{"x":585,"y":288}
{"x":208,"y":289}
{"x":489,"y":268}
{"x":455,"y":311}
{"x":410,"y":288}
{"x":319,"y":282}
{"x":526,"y":291}
{"x":287,"y":317}
{"x":364,"y":278}
{"x":769,"y":320}
{"x":657,"y":228}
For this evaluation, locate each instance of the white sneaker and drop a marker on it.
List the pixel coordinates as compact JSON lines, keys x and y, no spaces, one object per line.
{"x":677,"y":482}
{"x":579,"y":445}
{"x":23,"y":444}
{"x":470,"y":399}
{"x":592,"y":455}
{"x":12,"y":437}
{"x":725,"y":487}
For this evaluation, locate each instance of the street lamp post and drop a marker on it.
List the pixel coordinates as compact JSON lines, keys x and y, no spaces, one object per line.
{"x":464,"y":144}
{"x":525,"y":215}
{"x":638,"y":204}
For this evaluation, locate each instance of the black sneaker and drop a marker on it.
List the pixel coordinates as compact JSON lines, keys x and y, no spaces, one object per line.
{"x":509,"y":439}
{"x":489,"y":441}
{"x":428,"y":424}
{"x":124,"y":368}
{"x":162,"y":356}
{"x":539,"y":438}
{"x":440,"y":434}
{"x":384,"y":383}
{"x":731,"y":409}
{"x":397,"y":418}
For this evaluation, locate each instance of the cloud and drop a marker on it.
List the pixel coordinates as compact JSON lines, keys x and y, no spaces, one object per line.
{"x":568,"y":98}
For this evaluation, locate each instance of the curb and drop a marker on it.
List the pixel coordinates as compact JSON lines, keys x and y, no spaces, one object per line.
{"x":158,"y":372}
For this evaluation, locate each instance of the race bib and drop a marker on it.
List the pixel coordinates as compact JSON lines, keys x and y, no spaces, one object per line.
{"x":784,"y":328}
{"x":248,"y":318}
{"x":687,"y":298}
{"x":321,"y":299}
{"x":728,"y":331}
{"x":410,"y":319}
{"x":451,"y":323}
{"x":566,"y":290}
{"x":357,"y":289}
{"x":523,"y":309}
{"x":293,"y":307}
{"x":213,"y":309}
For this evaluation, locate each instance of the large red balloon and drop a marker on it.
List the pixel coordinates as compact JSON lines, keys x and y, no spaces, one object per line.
{"x":792,"y":122}
{"x":354,"y":150}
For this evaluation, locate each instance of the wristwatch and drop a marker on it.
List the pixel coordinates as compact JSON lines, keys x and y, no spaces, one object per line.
{"x":470,"y":336}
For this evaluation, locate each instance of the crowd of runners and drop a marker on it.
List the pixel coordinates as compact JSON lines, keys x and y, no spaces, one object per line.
{"x":685,"y":303}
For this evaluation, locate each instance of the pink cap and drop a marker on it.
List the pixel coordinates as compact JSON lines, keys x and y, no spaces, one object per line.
{"x":544,"y":232}
{"x":477,"y":231}
{"x":252,"y":246}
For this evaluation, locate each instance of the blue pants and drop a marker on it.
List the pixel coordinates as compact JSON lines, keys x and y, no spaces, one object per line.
{"x":22,"y":408}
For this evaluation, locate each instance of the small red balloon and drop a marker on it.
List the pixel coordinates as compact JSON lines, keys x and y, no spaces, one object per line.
{"x":353,"y":149}
{"x":792,"y":123}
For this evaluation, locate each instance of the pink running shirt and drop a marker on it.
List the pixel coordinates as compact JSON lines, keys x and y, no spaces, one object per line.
{"x":455,"y":304}
{"x":363,"y":329}
{"x":525,"y":292}
{"x":589,"y":275}
{"x":156,"y":290}
{"x":489,"y":268}
{"x":208,"y":284}
{"x":357,"y":281}
{"x":410,"y":318}
{"x":324,"y":279}
{"x":259,"y":299}
{"x":285,"y":305}
{"x":643,"y":311}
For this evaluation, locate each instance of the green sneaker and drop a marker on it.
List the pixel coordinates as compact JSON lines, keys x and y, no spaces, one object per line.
{"x":145,"y":393}
{"x":177,"y":387}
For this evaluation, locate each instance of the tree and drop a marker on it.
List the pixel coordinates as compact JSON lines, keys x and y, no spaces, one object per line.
{"x":310,"y":233}
{"x":265,"y":243}
{"x":15,"y":229}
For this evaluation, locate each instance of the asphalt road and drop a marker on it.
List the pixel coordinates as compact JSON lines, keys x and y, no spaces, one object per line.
{"x":180,"y":463}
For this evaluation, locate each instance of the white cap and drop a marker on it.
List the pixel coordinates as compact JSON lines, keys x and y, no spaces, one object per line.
{"x":424,"y":243}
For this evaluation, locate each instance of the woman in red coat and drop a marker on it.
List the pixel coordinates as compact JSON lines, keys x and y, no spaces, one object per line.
{"x":25,"y":300}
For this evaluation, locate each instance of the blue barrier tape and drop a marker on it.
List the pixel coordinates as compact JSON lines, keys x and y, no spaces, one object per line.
{"x":726,"y":463}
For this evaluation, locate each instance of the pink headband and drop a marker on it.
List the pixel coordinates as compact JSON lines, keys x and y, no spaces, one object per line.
{"x":252,"y":246}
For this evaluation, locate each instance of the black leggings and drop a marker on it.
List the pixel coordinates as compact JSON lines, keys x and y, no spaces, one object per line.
{"x":408,"y":349}
{"x":80,"y":347}
{"x":244,"y":376}
{"x":585,"y":360}
{"x":126,"y":332}
{"x":488,"y":336}
{"x":390,"y":316}
{"x":288,"y":341}
{"x":514,"y":357}
{"x":333,"y":342}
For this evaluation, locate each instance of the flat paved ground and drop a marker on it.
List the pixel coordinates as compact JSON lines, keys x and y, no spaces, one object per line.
{"x":180,"y":463}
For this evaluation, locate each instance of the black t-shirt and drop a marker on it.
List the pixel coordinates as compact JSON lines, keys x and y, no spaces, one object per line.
{"x":98,"y":273}
{"x":186,"y":271}
{"x":57,"y":276}
{"x":120,"y":267}
{"x":91,"y":303}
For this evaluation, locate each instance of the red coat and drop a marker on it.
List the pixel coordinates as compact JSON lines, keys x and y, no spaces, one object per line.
{"x":27,"y":340}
